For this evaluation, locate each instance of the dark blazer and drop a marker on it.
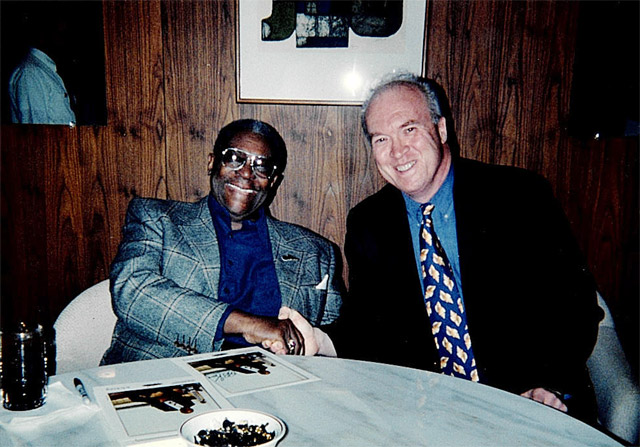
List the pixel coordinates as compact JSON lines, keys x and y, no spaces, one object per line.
{"x":530,"y":299}
{"x":164,"y":279}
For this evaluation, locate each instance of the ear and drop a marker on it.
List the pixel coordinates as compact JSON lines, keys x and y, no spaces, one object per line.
{"x":442,"y":129}
{"x":275,"y":180}
{"x":210,"y":163}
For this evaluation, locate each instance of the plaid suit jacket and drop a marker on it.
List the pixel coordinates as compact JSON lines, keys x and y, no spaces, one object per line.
{"x":164,"y":279}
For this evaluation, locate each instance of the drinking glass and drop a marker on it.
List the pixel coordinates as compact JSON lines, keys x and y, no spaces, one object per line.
{"x":24,"y":375}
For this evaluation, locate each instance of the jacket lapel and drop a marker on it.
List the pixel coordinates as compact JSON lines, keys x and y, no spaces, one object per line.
{"x":287,"y":261}
{"x":473,"y":230}
{"x":200,"y":235}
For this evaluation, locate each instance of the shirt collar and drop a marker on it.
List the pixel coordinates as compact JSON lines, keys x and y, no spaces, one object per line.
{"x":221,"y":216}
{"x":442,"y":199}
{"x":42,"y":57}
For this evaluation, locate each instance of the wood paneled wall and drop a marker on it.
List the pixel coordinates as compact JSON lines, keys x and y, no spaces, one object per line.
{"x":170,"y":72}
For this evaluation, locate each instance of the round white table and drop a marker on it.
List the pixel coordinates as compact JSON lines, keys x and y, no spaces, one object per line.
{"x":353,"y":404}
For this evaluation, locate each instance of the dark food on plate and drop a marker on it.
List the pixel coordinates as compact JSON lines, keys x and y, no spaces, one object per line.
{"x":234,"y":435}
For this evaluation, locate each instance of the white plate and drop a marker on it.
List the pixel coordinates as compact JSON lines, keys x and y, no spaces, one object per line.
{"x":213,"y":421}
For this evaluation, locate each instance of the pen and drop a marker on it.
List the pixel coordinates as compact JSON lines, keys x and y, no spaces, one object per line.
{"x":192,"y":390}
{"x":80,"y":387}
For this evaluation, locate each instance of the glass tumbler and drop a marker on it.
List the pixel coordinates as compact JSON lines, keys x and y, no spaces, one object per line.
{"x":24,"y":376}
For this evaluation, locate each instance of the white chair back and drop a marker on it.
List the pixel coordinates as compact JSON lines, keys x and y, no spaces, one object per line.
{"x":84,"y":329}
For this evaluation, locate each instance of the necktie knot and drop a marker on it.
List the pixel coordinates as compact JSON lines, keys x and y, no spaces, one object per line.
{"x":427,"y":209}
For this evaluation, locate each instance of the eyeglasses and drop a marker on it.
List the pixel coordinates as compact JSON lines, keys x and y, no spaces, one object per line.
{"x":234,"y":159}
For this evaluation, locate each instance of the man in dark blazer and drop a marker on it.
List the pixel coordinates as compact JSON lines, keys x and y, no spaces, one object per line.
{"x":204,"y":276}
{"x":529,"y":299}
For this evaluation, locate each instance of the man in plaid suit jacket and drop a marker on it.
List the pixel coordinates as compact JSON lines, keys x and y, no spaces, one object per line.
{"x":189,"y":277}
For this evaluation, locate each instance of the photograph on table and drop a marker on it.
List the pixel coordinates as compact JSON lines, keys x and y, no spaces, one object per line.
{"x":156,"y":410}
{"x":246,"y":370}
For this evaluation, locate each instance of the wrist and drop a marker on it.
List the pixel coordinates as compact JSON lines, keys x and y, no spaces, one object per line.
{"x":235,"y":323}
{"x":244,"y":324}
{"x":325,"y":344}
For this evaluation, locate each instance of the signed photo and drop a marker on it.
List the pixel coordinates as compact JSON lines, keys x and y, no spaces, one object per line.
{"x":247,"y":370}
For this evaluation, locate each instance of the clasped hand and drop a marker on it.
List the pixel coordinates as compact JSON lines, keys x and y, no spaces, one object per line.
{"x":546,"y":397}
{"x":302,"y":326}
{"x":290,"y":333}
{"x":278,"y":334}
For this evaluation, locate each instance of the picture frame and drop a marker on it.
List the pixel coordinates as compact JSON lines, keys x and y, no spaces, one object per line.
{"x":280,"y":71}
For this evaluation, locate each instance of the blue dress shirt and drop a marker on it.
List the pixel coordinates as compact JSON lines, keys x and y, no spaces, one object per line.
{"x":444,"y":222}
{"x":248,"y":279}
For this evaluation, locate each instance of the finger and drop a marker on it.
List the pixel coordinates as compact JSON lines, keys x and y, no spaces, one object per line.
{"x":302,"y":343}
{"x":546,"y":397}
{"x":307,"y":331}
{"x":555,"y":402}
{"x":277,"y":345}
{"x":274,"y":347}
{"x":278,"y":351}
{"x":295,"y":340}
{"x":284,"y":313}
{"x":551,"y":399}
{"x":528,"y":394}
{"x":297,"y":319}
{"x":293,"y":344}
{"x":299,"y":338}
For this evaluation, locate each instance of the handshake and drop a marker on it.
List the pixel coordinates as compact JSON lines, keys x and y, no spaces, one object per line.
{"x":309,"y":340}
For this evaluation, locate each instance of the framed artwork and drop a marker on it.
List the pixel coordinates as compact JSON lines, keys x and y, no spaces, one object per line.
{"x":324,"y":52}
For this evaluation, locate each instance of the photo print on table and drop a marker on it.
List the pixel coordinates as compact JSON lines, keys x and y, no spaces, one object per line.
{"x":246,"y":370}
{"x":145,"y":411}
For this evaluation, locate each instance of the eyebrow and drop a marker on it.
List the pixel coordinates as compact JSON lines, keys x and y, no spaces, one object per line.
{"x":405,"y":124}
{"x":409,"y":122}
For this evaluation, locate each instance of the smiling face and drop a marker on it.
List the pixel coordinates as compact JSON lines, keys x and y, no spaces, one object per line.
{"x":241,"y":192}
{"x":409,"y":149}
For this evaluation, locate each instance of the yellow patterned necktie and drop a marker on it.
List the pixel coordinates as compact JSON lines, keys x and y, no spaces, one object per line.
{"x":444,"y":305}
